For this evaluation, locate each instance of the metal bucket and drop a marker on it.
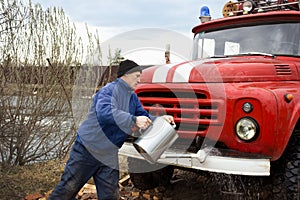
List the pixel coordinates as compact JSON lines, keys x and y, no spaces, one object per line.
{"x":157,"y":138}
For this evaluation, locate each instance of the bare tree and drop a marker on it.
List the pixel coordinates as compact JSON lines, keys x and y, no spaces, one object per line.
{"x":40,"y":56}
{"x":10,"y":13}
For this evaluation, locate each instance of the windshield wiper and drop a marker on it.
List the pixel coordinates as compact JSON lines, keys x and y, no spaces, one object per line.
{"x":218,"y":56}
{"x":255,"y":54}
{"x":243,"y":54}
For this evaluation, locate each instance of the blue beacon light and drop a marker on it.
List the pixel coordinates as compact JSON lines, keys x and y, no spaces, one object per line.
{"x":204,"y":14}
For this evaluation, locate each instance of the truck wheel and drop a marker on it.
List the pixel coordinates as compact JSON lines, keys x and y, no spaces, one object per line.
{"x":147,"y":176}
{"x":285,"y":171}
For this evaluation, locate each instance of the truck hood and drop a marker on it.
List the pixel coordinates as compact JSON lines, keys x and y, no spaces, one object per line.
{"x":232,"y":69}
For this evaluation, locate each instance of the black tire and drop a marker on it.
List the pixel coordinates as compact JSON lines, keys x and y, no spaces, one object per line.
{"x":285,"y":171}
{"x":146,"y":176}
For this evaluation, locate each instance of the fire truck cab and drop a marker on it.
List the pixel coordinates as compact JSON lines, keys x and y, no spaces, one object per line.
{"x":236,"y":104}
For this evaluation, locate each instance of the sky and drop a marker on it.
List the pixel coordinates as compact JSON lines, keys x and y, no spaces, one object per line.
{"x":134,"y":19}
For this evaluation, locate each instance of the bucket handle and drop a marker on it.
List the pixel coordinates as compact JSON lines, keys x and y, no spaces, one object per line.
{"x":142,"y":130}
{"x":173,"y":125}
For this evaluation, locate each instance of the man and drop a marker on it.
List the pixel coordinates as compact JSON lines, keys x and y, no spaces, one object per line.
{"x":115,"y":110}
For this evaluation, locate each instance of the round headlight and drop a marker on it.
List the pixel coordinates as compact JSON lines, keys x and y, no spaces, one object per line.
{"x":248,"y":6}
{"x":247,"y":107}
{"x":247,"y":129}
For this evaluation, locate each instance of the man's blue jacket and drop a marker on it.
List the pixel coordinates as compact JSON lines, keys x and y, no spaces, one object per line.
{"x":110,"y":119}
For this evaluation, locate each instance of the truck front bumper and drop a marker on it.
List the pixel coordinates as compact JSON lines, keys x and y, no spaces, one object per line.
{"x":210,"y":159}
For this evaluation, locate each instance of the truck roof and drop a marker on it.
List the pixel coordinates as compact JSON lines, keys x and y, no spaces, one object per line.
{"x":280,"y":16}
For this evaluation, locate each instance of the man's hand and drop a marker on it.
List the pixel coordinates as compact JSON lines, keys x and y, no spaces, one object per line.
{"x":169,"y":119}
{"x":143,"y":122}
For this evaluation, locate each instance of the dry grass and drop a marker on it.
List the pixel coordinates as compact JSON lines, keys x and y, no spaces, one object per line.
{"x":17,"y":181}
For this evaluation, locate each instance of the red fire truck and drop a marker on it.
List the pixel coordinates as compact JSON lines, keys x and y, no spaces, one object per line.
{"x":235,"y":103}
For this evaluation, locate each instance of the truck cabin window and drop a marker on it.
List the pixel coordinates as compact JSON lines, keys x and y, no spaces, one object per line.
{"x":276,"y":39}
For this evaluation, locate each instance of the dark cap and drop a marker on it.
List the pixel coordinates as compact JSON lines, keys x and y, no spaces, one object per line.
{"x":127,"y":67}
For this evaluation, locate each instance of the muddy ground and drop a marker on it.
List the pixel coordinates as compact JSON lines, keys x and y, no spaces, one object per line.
{"x":17,"y":182}
{"x":192,"y":185}
{"x":210,"y":186}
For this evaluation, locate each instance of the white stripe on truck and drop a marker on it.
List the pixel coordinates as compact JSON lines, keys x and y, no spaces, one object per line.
{"x":161,"y":73}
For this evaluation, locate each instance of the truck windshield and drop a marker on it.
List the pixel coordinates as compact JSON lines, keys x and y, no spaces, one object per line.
{"x":275,"y":39}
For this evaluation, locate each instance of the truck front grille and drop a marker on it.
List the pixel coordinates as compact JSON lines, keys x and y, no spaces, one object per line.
{"x":193,"y":111}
